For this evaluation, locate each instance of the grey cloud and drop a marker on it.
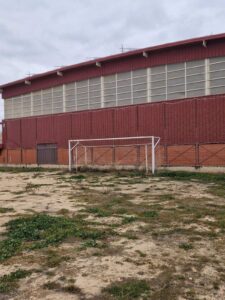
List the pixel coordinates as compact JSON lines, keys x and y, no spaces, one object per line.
{"x":38,"y":35}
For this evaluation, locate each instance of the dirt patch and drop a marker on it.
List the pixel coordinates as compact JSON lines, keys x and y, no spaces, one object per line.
{"x":164,"y":235}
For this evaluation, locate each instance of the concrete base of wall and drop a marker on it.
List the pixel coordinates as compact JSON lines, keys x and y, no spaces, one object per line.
{"x":194,"y":169}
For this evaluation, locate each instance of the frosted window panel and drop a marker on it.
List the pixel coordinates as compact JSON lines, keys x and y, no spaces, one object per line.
{"x":217,"y":59}
{"x":82,"y":107}
{"x":83,"y":83}
{"x":110,"y":98}
{"x":158,"y":84}
{"x":196,"y":70}
{"x":177,"y":88}
{"x":140,"y":73}
{"x":57,"y":99}
{"x":110,"y":104}
{"x":124,"y":102}
{"x":37,"y":103}
{"x":217,"y":67}
{"x":124,"y":96}
{"x":140,"y":80}
{"x":195,"y":63}
{"x":93,"y":88}
{"x":157,"y":70}
{"x":218,"y":90}
{"x":8,"y":106}
{"x":47,"y":101}
{"x":123,"y":76}
{"x":124,"y":89}
{"x":140,"y":87}
{"x":176,"y":81}
{"x":217,"y":82}
{"x":70,"y":97}
{"x":195,"y":86}
{"x":140,"y":99}
{"x":218,"y":74}
{"x":95,"y":105}
{"x":140,"y":94}
{"x":109,"y":85}
{"x":158,"y":91}
{"x":94,"y":81}
{"x":95,"y":93}
{"x":111,"y":91}
{"x":17,"y":107}
{"x":175,"y":74}
{"x":196,"y":93}
{"x":195,"y":78}
{"x":26,"y":105}
{"x":176,"y":95}
{"x":156,"y":98}
{"x":109,"y":78}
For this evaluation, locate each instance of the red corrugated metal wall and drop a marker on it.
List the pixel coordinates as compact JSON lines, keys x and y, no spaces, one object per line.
{"x":211,"y":120}
{"x":13,"y":134}
{"x":28,"y":133}
{"x":151,"y":120}
{"x":81,"y":125}
{"x":180,"y":122}
{"x":45,"y":130}
{"x":125,"y":121}
{"x":62,"y":129}
{"x":102,"y":123}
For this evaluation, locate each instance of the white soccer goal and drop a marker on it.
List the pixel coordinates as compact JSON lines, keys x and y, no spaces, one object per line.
{"x":121,"y":151}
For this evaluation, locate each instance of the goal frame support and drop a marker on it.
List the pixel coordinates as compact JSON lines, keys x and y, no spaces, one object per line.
{"x":152,"y":141}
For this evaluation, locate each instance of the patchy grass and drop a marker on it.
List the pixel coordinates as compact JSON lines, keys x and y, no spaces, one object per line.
{"x":99,"y":212}
{"x":26,"y":170}
{"x":4,"y":210}
{"x":150,"y":214}
{"x":54,"y":259}
{"x":56,"y":286}
{"x":128,"y":289}
{"x":186,"y":246}
{"x":40,"y":231}
{"x":30,"y":187}
{"x":182,"y":175}
{"x":128,"y":220}
{"x":79,"y":177}
{"x":9,"y":283}
{"x":103,"y":225}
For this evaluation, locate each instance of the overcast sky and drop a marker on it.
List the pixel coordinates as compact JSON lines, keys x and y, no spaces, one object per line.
{"x":39,"y":35}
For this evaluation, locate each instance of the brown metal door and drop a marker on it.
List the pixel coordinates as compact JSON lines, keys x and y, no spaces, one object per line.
{"x":47,"y":154}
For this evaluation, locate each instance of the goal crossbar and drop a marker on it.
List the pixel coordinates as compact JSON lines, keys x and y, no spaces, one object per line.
{"x":153,"y":141}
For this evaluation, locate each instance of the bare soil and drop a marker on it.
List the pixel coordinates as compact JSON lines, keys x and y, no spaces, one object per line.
{"x":168,"y":233}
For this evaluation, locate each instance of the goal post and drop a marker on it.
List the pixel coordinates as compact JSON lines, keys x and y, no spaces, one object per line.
{"x":80,"y":151}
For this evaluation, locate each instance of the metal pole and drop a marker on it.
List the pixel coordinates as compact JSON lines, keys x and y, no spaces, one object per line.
{"x":76,"y":158}
{"x":85,"y":155}
{"x":146,"y":159}
{"x":153,"y":155}
{"x":70,"y":167}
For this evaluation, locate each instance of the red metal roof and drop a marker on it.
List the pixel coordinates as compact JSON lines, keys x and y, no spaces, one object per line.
{"x":118,"y":56}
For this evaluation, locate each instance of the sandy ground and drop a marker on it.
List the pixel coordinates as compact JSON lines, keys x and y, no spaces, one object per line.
{"x":144,"y":249}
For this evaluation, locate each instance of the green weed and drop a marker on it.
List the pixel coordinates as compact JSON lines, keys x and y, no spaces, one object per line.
{"x":128,"y":289}
{"x":41,"y":230}
{"x":4,"y":210}
{"x":9,"y":283}
{"x":186,"y":246}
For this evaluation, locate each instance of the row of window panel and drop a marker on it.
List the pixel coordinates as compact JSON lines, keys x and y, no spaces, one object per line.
{"x":160,"y":83}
